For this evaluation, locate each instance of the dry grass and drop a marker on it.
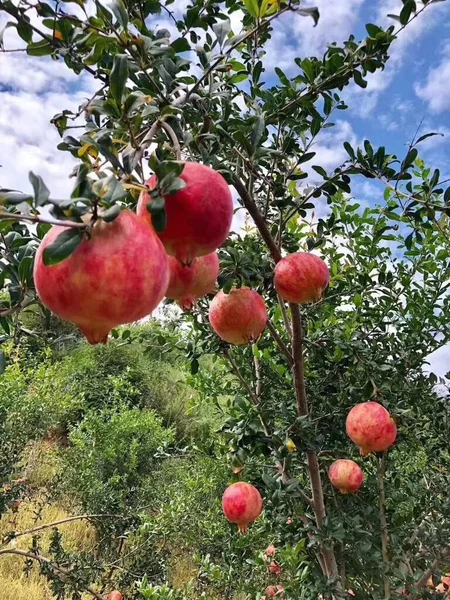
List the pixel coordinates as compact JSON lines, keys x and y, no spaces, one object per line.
{"x":16,"y":585}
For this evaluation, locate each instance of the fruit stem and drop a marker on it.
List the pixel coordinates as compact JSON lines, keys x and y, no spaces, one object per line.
{"x":384,"y":527}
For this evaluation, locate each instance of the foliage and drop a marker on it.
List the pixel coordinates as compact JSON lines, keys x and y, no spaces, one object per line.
{"x":286,"y":396}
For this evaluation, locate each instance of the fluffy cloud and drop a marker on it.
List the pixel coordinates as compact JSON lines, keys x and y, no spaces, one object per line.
{"x":434,"y":90}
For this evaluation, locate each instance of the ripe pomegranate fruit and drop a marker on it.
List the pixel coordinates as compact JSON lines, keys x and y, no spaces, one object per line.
{"x":301,"y":277}
{"x":115,"y":595}
{"x":274,"y":568}
{"x":346,"y":475}
{"x":187,"y":284}
{"x":274,"y":590}
{"x":198,"y":216}
{"x":117,"y":276}
{"x":371,"y":427}
{"x":238,"y":317}
{"x":242,"y":504}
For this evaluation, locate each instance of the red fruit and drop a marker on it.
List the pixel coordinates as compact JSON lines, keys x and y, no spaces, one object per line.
{"x":346,"y":475}
{"x":198,"y":216}
{"x":115,"y":595}
{"x":187,"y":284}
{"x":274,"y":590}
{"x":370,"y":426}
{"x":301,"y":277}
{"x":274,"y":568}
{"x":117,"y":276}
{"x":270,"y":550}
{"x":238,"y":317}
{"x":242,"y":504}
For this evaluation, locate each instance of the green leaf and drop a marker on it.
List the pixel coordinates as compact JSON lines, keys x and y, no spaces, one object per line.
{"x":252,"y":7}
{"x":25,"y":269}
{"x":14,"y":198}
{"x":373,"y":30}
{"x":312,"y":12}
{"x":159,"y":220}
{"x":111,"y":214}
{"x":194,"y":366}
{"x":2,"y":362}
{"x":359,"y":79}
{"x":41,"y":48}
{"x":349,"y":150}
{"x":2,"y":32}
{"x":118,"y":77}
{"x":258,"y":130}
{"x":41,"y":191}
{"x":25,"y":31}
{"x":181,"y":45}
{"x":410,"y":158}
{"x":222,"y":29}
{"x":238,"y":77}
{"x":117,"y":7}
{"x":406,"y":11}
{"x":447,"y":195}
{"x":174,"y":186}
{"x":305,"y":157}
{"x":63,"y":246}
{"x":427,"y":135}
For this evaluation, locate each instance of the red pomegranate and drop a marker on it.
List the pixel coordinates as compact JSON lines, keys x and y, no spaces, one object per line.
{"x":188,"y":283}
{"x":346,"y":475}
{"x":270,"y":550}
{"x":238,"y":317}
{"x":301,"y":277}
{"x":371,"y":427}
{"x":198,"y":216}
{"x":115,"y":595}
{"x":274,"y":590}
{"x":274,"y":568}
{"x":242,"y":504}
{"x":118,"y":275}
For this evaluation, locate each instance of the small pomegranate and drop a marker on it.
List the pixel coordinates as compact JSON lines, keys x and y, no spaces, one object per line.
{"x":289,"y":521}
{"x":274,"y":590}
{"x":242,"y":504}
{"x":198,"y":216}
{"x":371,"y":427}
{"x":238,"y":317}
{"x":346,"y":475}
{"x":274,"y":568}
{"x":270,"y":550}
{"x":117,"y":276}
{"x":115,"y":595}
{"x":301,"y":277}
{"x":188,"y":283}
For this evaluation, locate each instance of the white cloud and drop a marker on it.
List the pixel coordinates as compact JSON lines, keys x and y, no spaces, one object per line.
{"x":434,"y":14}
{"x":434,"y":90}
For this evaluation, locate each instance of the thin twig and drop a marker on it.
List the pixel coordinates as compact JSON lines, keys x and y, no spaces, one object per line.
{"x":4,"y":215}
{"x":258,"y":386}
{"x":384,"y":527}
{"x":43,"y":559}
{"x":173,"y":136}
{"x":282,"y":346}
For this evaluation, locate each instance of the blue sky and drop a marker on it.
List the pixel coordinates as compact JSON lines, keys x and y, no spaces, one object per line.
{"x":414,"y":86}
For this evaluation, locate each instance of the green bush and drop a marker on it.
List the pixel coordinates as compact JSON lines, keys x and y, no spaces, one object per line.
{"x":111,"y":454}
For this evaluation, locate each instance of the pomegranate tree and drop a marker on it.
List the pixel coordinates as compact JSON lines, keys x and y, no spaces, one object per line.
{"x":242,"y":504}
{"x":198,"y":216}
{"x":370,"y":426}
{"x":118,"y":275}
{"x":238,"y":317}
{"x":301,"y":277}
{"x":188,"y":283}
{"x":346,"y":475}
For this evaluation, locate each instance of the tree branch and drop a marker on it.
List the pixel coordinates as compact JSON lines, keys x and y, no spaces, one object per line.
{"x":43,"y":559}
{"x":384,"y":527}
{"x":257,"y":364}
{"x":171,"y":133}
{"x":4,"y":215}
{"x":282,"y":346}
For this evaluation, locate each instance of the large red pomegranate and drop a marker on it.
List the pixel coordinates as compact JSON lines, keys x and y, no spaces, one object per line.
{"x":371,"y":427}
{"x":301,"y":277}
{"x":242,"y":504}
{"x":238,"y":317}
{"x":115,"y":595}
{"x":198,"y":216}
{"x":346,"y":475}
{"x":117,"y":276}
{"x":188,"y":283}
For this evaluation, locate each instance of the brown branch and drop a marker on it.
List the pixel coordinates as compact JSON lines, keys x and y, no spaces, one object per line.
{"x":257,"y":364}
{"x":257,"y":217}
{"x":43,"y":559}
{"x":4,"y":215}
{"x":384,"y":527}
{"x":298,"y":366}
{"x":14,"y":535}
{"x":282,"y":346}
